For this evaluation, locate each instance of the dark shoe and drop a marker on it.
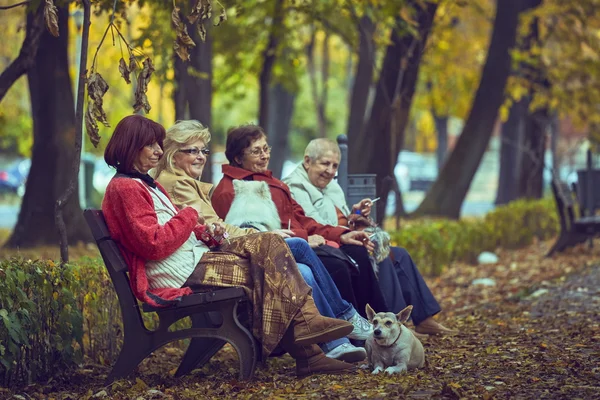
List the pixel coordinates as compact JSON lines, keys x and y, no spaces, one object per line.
{"x":310,"y":327}
{"x":431,"y":327}
{"x":321,"y":364}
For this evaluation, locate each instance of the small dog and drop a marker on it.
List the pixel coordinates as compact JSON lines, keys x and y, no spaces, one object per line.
{"x":381,"y":238}
{"x":392,"y":346}
{"x":252,"y":207}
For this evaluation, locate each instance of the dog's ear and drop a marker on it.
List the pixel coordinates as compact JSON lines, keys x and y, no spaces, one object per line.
{"x":370,"y":313}
{"x":237,"y":185}
{"x":403,"y":315}
{"x":263,"y":190}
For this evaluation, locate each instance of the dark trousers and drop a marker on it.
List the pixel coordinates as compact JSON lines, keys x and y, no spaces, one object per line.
{"x":356,"y":281}
{"x":402,"y":284}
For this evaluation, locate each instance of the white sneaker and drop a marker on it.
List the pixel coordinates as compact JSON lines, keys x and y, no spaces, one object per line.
{"x":362,"y":328}
{"x":347,"y":352}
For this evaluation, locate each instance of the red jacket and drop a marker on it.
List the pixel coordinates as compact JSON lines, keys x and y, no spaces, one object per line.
{"x":288,"y":208}
{"x":129,"y":212}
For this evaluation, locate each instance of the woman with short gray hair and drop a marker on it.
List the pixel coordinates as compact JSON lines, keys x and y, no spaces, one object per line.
{"x":322,"y":198}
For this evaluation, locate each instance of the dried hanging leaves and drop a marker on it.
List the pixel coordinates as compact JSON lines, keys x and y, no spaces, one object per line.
{"x":202,"y":10}
{"x":97,"y":88}
{"x":184,"y":42}
{"x":51,"y":17}
{"x":141,"y":100}
{"x":222,"y":17}
{"x":124,"y":70}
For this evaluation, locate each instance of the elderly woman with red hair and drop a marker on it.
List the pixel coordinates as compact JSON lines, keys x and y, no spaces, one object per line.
{"x":167,"y":259}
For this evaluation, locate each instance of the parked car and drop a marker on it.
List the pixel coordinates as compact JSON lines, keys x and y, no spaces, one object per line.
{"x":13,"y":178}
{"x":415,"y":171}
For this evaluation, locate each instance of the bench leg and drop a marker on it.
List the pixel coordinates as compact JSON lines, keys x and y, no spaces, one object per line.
{"x":566,"y":240}
{"x":243,"y":341}
{"x":132,"y":354}
{"x":201,"y":350}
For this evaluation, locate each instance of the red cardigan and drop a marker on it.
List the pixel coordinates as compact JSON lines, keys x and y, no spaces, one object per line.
{"x":287,"y":207}
{"x":129,"y":212}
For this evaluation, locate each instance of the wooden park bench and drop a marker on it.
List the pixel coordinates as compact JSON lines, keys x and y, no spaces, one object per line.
{"x":214,"y":315}
{"x":574,"y":229}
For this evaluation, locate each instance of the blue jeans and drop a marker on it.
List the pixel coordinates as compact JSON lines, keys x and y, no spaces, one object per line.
{"x":325,"y":293}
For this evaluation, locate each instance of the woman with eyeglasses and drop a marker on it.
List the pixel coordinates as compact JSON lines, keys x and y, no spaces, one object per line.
{"x":343,"y":252}
{"x":168,"y":255}
{"x":179,"y":171}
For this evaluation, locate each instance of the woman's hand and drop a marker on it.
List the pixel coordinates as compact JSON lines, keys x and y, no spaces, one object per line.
{"x":316,"y":241}
{"x":364,"y":206}
{"x":198,"y":210}
{"x":218,"y":228}
{"x":358,"y":238}
{"x":284,"y":233}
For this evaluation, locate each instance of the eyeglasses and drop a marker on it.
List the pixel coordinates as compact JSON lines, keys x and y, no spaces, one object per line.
{"x":258,"y":151}
{"x":195,"y":151}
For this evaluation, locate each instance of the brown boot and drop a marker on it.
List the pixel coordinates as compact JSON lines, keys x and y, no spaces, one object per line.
{"x":310,"y":327}
{"x":431,"y":327}
{"x":311,"y":360}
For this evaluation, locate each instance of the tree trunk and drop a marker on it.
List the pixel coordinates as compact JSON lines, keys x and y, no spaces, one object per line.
{"x":531,"y":179}
{"x":362,"y":80}
{"x":52,"y":107}
{"x":179,"y":99}
{"x":510,"y":150}
{"x":391,"y":107}
{"x":281,"y":111}
{"x":441,"y":128}
{"x":198,"y":86}
{"x":269,"y":57}
{"x":447,"y":194}
{"x":26,"y":56}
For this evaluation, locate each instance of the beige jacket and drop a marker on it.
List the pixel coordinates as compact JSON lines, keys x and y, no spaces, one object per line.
{"x":184,"y":189}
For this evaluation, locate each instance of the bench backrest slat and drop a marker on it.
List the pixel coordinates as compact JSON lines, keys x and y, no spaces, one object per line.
{"x":116,"y":266}
{"x":565,"y":203}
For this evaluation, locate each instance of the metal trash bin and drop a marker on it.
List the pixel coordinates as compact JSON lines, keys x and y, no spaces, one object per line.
{"x":362,"y":186}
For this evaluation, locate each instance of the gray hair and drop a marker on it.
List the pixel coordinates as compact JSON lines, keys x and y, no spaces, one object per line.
{"x":180,"y":134}
{"x":317,"y":147}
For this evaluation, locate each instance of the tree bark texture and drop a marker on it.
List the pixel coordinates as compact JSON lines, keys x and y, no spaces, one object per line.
{"x":447,"y":194}
{"x":52,"y":107}
{"x":362,"y":79}
{"x":510,"y":150}
{"x":391,"y":107}
{"x":281,"y":112}
{"x":320,"y":99}
{"x":441,"y":129}
{"x":25,"y":59}
{"x":179,"y":100}
{"x":531,"y":178}
{"x":75,"y":163}
{"x":198,"y":85}
{"x":269,"y":58}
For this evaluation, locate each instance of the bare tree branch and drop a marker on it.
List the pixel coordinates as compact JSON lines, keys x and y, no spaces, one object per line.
{"x":24,"y":60}
{"x":15,"y":5}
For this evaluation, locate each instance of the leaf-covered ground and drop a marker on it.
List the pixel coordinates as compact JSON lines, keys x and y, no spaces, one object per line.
{"x":534,"y":334}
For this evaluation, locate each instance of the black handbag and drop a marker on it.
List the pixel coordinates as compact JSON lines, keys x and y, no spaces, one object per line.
{"x":328,"y":251}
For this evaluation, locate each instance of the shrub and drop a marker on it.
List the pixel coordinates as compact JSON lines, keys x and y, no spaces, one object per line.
{"x":40,"y":320}
{"x":435,"y":244}
{"x":53,"y":316}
